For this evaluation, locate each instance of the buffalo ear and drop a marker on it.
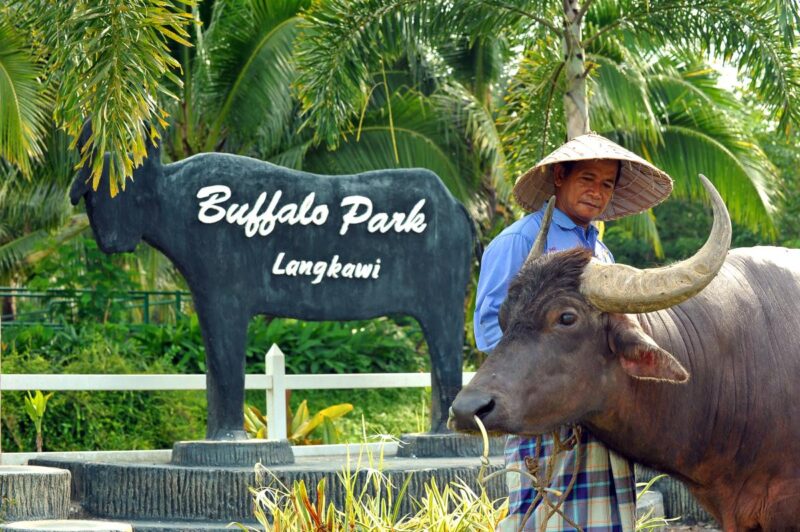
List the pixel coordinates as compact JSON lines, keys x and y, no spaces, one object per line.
{"x":639,"y":355}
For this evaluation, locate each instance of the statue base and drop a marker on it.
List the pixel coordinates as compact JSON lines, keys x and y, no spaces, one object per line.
{"x":232,"y":453}
{"x":427,"y":445}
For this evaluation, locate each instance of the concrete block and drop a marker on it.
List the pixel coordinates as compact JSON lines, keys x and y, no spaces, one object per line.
{"x":155,"y":492}
{"x":67,"y":525}
{"x":245,"y":453}
{"x":650,"y":504}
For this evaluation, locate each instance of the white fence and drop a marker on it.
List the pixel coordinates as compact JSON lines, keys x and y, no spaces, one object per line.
{"x":275,"y":382}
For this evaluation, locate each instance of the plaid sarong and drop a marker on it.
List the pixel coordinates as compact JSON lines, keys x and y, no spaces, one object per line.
{"x":602,"y":499}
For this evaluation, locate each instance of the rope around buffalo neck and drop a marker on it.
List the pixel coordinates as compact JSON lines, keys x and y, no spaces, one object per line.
{"x":532,"y":466}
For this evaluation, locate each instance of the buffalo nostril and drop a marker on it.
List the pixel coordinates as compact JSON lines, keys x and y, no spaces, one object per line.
{"x":468,"y":404}
{"x":485,"y":409}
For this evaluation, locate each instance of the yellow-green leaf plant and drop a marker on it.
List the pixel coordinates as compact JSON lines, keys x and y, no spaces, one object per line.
{"x":35,"y":407}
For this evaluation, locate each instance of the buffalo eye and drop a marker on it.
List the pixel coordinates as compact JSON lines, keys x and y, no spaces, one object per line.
{"x":567,"y":318}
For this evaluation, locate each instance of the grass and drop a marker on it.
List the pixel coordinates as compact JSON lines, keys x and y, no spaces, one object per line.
{"x":373,"y":504}
{"x":372,"y":500}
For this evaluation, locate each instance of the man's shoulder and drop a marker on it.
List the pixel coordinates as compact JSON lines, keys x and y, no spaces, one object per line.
{"x":526,"y":227}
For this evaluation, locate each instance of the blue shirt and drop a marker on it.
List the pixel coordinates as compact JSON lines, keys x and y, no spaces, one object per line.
{"x":505,"y":255}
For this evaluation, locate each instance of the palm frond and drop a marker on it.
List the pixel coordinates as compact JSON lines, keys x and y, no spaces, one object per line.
{"x":643,"y":227}
{"x":532,"y":123}
{"x":475,"y":63}
{"x":247,"y":67}
{"x":28,"y":206}
{"x":375,"y":151}
{"x":473,"y":118}
{"x":422,"y":129}
{"x":27,"y":250}
{"x":618,"y":98}
{"x":344,"y":40}
{"x":688,"y":152}
{"x":113,"y":77}
{"x":23,"y":101}
{"x":756,"y":37}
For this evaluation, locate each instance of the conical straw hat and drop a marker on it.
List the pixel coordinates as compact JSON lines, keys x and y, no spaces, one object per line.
{"x":640,"y":186}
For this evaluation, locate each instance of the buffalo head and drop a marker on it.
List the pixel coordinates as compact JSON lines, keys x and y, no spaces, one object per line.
{"x":568,"y":341}
{"x":119,"y":222}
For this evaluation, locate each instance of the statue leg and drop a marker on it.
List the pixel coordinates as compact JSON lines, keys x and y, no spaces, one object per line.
{"x":225,"y":338}
{"x":445,"y":336}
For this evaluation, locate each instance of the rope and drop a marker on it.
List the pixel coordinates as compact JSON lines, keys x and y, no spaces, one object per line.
{"x":532,"y":473}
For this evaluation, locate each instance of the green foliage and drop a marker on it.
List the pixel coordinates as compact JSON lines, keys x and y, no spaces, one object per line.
{"x":785,"y":154}
{"x":81,"y":264}
{"x":152,"y":420}
{"x":246,"y":69}
{"x":180,"y":343}
{"x":375,"y":411}
{"x":374,"y":504}
{"x":304,"y":429}
{"x":35,"y":213}
{"x":96,"y":420}
{"x":374,"y":346}
{"x":106,"y":60}
{"x":683,"y":225}
{"x":23,"y":102}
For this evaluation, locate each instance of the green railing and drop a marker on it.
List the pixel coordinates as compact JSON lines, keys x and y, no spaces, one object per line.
{"x":51,"y":308}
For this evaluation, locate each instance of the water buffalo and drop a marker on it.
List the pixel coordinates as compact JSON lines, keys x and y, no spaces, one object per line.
{"x":253,"y":238}
{"x":700,"y":384}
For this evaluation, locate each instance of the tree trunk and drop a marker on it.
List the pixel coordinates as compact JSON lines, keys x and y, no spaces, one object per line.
{"x":8,"y":308}
{"x":576,"y":107}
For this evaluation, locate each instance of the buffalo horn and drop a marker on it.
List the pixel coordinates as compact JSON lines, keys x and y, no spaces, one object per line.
{"x":624,"y":289}
{"x":541,"y":239}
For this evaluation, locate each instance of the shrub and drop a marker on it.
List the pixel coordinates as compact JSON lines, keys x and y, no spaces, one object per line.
{"x":151,"y":420}
{"x":95,"y":420}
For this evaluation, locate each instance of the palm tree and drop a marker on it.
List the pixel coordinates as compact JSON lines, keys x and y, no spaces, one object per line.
{"x":238,"y":97}
{"x":60,"y":60}
{"x":35,"y":214}
{"x":625,"y":73}
{"x":23,"y":101}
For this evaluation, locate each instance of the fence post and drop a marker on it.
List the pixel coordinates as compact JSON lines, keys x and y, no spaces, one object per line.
{"x":276,"y":395}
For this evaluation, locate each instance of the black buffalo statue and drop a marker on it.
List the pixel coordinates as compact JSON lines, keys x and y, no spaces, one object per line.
{"x":253,"y":238}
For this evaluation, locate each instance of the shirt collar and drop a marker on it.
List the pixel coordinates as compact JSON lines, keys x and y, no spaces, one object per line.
{"x":566,"y":223}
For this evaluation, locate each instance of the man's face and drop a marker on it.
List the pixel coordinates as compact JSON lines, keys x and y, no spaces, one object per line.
{"x":583,"y":192}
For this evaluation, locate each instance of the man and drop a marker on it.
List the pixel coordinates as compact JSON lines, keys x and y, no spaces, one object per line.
{"x":592,"y":179}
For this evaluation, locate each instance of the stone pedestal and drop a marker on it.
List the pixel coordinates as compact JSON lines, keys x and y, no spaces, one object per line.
{"x":244,"y":453}
{"x":161,"y":497}
{"x":650,"y":504}
{"x":425,"y":445}
{"x":30,"y":492}
{"x":67,"y":525}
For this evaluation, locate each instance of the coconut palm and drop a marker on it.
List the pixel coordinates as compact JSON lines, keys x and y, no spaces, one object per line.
{"x":23,"y":100}
{"x":241,"y":76}
{"x":60,"y":60}
{"x":616,"y":62}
